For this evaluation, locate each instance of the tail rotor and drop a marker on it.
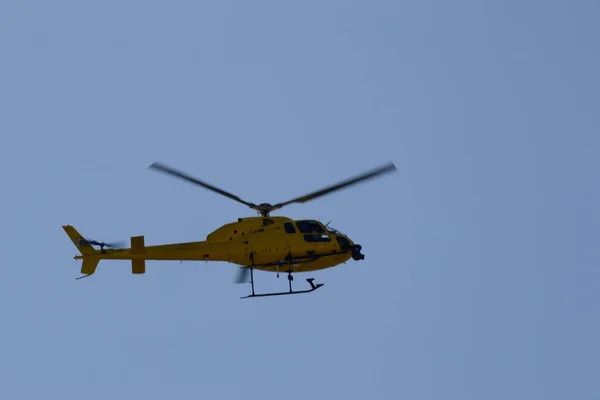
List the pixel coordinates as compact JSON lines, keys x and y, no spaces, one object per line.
{"x":112,"y":245}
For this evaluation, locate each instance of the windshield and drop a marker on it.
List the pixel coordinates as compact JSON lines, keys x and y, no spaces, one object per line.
{"x":309,"y":226}
{"x":334,"y":231}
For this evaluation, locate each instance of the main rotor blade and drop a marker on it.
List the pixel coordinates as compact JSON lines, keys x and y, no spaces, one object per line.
{"x":386,"y":168}
{"x":163,"y":168}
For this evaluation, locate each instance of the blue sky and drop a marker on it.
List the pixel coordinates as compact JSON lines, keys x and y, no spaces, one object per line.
{"x":481,"y":270}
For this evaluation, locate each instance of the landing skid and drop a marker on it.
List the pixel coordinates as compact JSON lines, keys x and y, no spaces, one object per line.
{"x":290,"y":279}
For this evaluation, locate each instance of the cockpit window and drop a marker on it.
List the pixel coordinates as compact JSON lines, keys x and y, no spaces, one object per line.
{"x":316,"y":238}
{"x":343,"y":242}
{"x":289,"y":228}
{"x":309,"y":226}
{"x":334,"y":231}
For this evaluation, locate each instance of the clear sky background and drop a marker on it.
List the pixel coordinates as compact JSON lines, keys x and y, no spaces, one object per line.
{"x":481,"y":273}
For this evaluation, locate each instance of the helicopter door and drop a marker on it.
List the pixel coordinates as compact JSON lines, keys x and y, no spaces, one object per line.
{"x":291,"y":239}
{"x":312,"y":237}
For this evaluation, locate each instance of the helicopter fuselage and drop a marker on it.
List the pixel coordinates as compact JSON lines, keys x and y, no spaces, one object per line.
{"x":263,"y":243}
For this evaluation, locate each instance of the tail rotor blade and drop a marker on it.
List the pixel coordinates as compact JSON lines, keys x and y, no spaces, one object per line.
{"x":113,"y":245}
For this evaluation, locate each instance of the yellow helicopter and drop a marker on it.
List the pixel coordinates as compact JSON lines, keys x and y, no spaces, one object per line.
{"x":263,"y":243}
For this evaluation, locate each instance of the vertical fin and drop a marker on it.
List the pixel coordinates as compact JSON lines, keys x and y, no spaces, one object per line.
{"x":82,"y":245}
{"x":89,"y":265}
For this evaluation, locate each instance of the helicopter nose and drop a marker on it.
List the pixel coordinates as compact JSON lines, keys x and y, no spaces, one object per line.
{"x":356,"y":254}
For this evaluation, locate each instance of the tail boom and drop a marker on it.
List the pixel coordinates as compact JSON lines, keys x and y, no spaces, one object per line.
{"x":139,"y":253}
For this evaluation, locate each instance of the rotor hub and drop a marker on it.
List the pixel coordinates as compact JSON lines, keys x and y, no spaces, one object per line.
{"x":264,"y":209}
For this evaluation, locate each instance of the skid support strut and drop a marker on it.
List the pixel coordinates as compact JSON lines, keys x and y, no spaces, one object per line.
{"x":290,"y":279}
